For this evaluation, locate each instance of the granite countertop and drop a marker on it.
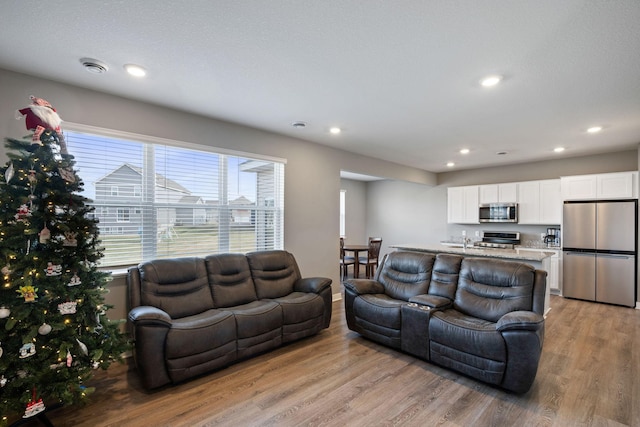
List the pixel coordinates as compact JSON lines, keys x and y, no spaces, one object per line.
{"x":522,"y":254}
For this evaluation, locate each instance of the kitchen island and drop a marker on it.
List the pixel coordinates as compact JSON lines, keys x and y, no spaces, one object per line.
{"x":538,"y":259}
{"x":519,"y":254}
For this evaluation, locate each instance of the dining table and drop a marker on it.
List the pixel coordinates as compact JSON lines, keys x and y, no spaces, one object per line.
{"x":356,"y":249}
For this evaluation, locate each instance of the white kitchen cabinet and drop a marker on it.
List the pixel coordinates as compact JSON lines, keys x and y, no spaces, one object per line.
{"x":618,"y":185}
{"x":539,"y":202}
{"x":462,"y":205}
{"x":498,"y":193}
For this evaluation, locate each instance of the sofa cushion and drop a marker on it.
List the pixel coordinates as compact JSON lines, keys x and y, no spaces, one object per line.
{"x":379,"y":317}
{"x":200,"y":333}
{"x":200,"y":343}
{"x":177,"y":286}
{"x":259,"y":327}
{"x":490,"y":288}
{"x":444,"y":279}
{"x":274,"y":273}
{"x":406,"y":274}
{"x":468,"y":344}
{"x":230,"y":280}
{"x":303,"y":315}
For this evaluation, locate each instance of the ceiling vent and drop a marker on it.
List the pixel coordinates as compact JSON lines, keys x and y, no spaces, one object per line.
{"x":94,"y":66}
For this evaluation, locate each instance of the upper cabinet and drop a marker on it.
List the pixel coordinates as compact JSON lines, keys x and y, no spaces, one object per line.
{"x":619,"y":185}
{"x":499,"y":193}
{"x":539,"y":202}
{"x":462,"y":205}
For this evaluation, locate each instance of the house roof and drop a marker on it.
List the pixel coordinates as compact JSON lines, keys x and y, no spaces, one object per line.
{"x":161,"y":180}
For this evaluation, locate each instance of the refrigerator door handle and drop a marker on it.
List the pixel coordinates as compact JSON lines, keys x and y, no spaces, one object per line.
{"x":614,"y":256}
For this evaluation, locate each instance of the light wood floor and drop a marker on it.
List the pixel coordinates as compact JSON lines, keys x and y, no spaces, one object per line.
{"x":588,"y":375}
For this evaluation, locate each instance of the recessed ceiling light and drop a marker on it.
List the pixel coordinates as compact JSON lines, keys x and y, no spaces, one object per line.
{"x":464,"y":151}
{"x":450,"y":164}
{"x":94,"y":66}
{"x":299,"y":125}
{"x":335,"y":130}
{"x":558,"y":149}
{"x":490,"y":81}
{"x":135,"y":70}
{"x":594,"y":129}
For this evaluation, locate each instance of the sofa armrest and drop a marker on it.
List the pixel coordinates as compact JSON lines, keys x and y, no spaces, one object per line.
{"x":364,"y":286}
{"x":432,"y":301}
{"x":148,"y":315}
{"x":520,"y":320}
{"x":312,"y":284}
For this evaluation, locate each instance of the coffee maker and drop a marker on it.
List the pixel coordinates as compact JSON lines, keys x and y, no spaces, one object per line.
{"x":552,"y":239}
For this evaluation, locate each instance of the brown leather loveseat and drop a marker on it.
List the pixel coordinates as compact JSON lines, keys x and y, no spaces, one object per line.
{"x":482,"y":317}
{"x":189,"y":316}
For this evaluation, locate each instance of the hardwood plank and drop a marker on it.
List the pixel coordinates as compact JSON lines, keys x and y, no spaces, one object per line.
{"x":588,"y":375}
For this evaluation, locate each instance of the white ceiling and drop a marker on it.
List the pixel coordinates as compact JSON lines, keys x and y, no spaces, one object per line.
{"x":400,"y":77}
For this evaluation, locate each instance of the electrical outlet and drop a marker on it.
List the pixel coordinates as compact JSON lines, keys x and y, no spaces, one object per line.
{"x":477,"y":233}
{"x":542,"y":236}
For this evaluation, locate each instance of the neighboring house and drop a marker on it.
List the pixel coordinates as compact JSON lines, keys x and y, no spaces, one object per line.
{"x":119,"y":201}
{"x":120,"y":194}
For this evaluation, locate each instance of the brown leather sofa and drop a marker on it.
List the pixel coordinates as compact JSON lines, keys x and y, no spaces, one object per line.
{"x":189,"y":316}
{"x":482,"y":317}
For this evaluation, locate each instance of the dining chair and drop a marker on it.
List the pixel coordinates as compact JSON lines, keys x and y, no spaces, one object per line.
{"x":371,"y":260}
{"x":345,"y":261}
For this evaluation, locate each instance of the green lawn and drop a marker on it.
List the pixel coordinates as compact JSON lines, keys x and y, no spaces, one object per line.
{"x":187,"y":241}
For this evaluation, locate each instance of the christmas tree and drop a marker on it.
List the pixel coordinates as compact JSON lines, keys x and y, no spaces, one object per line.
{"x":53,"y":326}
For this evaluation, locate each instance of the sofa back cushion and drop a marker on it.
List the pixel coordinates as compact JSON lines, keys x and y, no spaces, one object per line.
{"x":178,"y":286}
{"x":405,"y":274}
{"x":490,"y":288}
{"x":230,"y":280}
{"x":274,"y":273}
{"x":444,"y":279}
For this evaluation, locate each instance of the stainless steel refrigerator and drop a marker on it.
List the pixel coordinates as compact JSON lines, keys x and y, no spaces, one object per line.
{"x":599,"y":251}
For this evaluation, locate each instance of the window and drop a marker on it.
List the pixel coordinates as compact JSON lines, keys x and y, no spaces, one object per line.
{"x":156,"y":198}
{"x":343,"y":210}
{"x":123,"y":215}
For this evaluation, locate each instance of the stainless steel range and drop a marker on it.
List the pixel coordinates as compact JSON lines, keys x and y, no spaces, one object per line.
{"x":498,"y":240}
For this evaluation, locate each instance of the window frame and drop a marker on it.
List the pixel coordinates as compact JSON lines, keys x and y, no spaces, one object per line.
{"x":275,"y":212}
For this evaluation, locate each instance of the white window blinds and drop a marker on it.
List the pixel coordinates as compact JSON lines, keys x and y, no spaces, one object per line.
{"x":156,"y":200}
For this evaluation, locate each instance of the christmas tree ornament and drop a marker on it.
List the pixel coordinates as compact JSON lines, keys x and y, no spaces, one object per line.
{"x":3,"y":381}
{"x":83,"y":347}
{"x":40,"y":116}
{"x":8,"y":174}
{"x":68,"y":307}
{"x":75,"y":280}
{"x":34,"y":407}
{"x":31,"y":177}
{"x":28,"y":292}
{"x":27,"y":350}
{"x":70,"y":239}
{"x":53,"y":269}
{"x":67,"y":174}
{"x":69,"y":359}
{"x":44,"y":329}
{"x":23,"y":213}
{"x":1,"y":350}
{"x":4,"y":312}
{"x":45,"y":235}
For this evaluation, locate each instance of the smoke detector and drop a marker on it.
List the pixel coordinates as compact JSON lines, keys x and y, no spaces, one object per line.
{"x":94,"y":66}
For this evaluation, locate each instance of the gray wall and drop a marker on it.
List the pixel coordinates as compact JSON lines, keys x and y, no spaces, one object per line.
{"x":312,"y":174}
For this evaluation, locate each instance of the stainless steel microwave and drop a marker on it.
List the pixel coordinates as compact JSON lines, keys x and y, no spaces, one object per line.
{"x":498,"y":212}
